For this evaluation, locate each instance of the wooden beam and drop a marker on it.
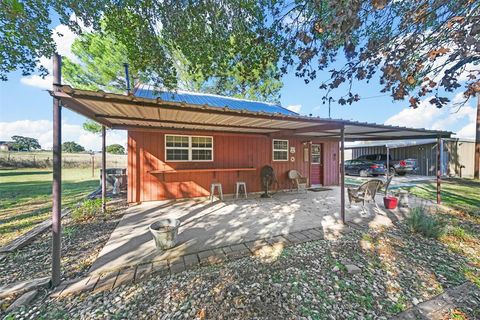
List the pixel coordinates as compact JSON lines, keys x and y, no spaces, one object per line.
{"x":150,"y":128}
{"x":57,"y":175}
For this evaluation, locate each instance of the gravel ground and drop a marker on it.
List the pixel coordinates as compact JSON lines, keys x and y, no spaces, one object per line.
{"x":81,"y":243}
{"x":307,"y":281}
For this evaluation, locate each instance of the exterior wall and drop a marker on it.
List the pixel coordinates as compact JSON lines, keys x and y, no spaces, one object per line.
{"x":146,"y":153}
{"x":455,"y":155}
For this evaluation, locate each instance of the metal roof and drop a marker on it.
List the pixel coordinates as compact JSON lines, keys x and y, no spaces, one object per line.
{"x":150,"y":92}
{"x":136,"y":113}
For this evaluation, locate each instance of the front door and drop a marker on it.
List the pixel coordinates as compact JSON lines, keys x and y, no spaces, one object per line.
{"x":316,"y":171}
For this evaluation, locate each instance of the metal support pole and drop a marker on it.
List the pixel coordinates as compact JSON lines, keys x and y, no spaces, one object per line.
{"x":388,"y":160}
{"x":439,"y":168}
{"x":342,"y":175}
{"x":476,"y":169}
{"x":57,"y":174}
{"x":104,"y":173}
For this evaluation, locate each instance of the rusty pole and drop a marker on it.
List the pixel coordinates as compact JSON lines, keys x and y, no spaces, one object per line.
{"x":439,"y":170}
{"x":104,"y":173}
{"x":57,"y":173}
{"x":476,"y":169}
{"x":342,"y":174}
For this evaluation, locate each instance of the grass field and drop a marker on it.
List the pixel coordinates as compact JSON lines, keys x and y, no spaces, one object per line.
{"x":460,"y":194}
{"x":26,"y":197}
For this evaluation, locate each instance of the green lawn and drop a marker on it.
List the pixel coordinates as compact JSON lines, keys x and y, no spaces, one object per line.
{"x":461,"y":194}
{"x":26,"y":197}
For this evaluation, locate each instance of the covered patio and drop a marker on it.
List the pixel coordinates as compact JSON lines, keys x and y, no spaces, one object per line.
{"x":229,"y":223}
{"x":223,"y":228}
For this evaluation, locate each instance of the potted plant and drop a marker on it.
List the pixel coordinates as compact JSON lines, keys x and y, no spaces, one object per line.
{"x":390,"y":202}
{"x":165,"y":233}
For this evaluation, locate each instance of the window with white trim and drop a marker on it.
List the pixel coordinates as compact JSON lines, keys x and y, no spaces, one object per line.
{"x":280,"y":150}
{"x":188,"y":148}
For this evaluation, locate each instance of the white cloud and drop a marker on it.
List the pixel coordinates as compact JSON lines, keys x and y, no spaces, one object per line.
{"x":295,"y":107}
{"x":63,"y":38}
{"x":430,"y":117}
{"x":42,"y":130}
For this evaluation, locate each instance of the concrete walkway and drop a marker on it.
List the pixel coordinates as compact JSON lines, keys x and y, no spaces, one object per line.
{"x":206,"y":226}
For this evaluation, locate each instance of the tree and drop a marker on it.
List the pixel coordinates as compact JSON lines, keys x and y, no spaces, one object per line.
{"x":24,"y":143}
{"x":212,"y":35}
{"x":72,"y":147}
{"x":92,"y":126}
{"x":415,"y":47}
{"x":115,"y":149}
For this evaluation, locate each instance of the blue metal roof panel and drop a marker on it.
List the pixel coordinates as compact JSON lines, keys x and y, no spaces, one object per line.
{"x":149,"y":92}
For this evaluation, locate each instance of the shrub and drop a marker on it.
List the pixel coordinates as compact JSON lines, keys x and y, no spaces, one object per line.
{"x":87,"y":210}
{"x":420,"y":222}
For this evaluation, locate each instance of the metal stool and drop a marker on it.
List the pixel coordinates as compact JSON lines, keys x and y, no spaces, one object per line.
{"x":212,"y":190}
{"x":237,"y":189}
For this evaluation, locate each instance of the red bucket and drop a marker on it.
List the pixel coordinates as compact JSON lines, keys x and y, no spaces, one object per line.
{"x":390,"y":202}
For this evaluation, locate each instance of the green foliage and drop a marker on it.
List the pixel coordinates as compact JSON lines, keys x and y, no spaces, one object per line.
{"x":92,"y":126}
{"x":115,"y":149}
{"x":100,"y":64}
{"x":24,"y":143}
{"x":72,"y":147}
{"x":420,"y":222}
{"x":87,"y":210}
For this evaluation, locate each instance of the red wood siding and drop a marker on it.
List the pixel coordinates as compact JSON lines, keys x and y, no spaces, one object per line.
{"x":146,"y":153}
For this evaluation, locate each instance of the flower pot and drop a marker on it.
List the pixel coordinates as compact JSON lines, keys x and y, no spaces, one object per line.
{"x":390,"y":202}
{"x":165,"y":233}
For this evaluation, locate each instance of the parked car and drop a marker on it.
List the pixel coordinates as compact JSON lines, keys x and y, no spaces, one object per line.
{"x":400,"y":167}
{"x":364,"y":168}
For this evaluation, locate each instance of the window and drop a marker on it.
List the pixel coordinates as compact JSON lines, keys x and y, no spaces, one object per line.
{"x":315,"y":154}
{"x":280,"y":150}
{"x":188,"y":148}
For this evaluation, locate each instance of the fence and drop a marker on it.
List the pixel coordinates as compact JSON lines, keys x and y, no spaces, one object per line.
{"x":43,"y":159}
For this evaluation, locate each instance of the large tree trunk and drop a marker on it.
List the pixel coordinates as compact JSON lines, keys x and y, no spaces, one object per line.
{"x":477,"y":142}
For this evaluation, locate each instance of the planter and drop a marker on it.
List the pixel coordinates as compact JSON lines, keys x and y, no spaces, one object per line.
{"x":165,"y":233}
{"x":390,"y":202}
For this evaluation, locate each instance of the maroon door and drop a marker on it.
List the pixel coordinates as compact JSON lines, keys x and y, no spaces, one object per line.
{"x":316,"y":171}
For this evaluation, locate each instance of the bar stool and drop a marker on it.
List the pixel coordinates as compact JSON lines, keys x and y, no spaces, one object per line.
{"x":212,"y":190}
{"x":237,"y":189}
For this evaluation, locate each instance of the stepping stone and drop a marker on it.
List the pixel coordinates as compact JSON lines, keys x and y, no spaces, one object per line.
{"x":24,"y":300}
{"x":353,"y":269}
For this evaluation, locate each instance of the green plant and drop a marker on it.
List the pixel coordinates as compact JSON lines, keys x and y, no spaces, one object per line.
{"x":420,"y":222}
{"x":87,"y":210}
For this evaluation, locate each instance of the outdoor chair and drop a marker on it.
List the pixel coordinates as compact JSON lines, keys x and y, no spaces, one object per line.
{"x":386,"y":184}
{"x":365,"y":192}
{"x":298,"y":180}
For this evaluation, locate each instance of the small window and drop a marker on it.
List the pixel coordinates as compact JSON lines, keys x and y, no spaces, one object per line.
{"x":280,"y":150}
{"x":188,"y":148}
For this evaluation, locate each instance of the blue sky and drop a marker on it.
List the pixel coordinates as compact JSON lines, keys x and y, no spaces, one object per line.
{"x":26,"y":108}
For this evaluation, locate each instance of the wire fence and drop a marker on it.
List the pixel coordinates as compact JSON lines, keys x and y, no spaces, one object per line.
{"x":43,"y":159}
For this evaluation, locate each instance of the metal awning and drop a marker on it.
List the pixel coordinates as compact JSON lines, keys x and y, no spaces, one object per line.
{"x":118,"y":111}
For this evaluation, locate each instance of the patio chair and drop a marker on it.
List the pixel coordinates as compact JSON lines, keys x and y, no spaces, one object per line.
{"x":386,"y":184}
{"x":365,"y":192}
{"x":298,"y":180}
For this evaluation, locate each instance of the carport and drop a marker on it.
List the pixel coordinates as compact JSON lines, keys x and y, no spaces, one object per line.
{"x":125,"y":112}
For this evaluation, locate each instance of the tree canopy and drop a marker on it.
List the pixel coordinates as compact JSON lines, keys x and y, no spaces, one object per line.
{"x":115,"y":149}
{"x":413,"y":48}
{"x":72,"y":147}
{"x":20,"y":143}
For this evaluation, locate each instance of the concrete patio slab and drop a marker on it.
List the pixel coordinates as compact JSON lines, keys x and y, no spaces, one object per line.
{"x":233,"y":225}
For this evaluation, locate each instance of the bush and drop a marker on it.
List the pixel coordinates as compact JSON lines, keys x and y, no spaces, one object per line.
{"x":87,"y":210}
{"x":428,"y":226}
